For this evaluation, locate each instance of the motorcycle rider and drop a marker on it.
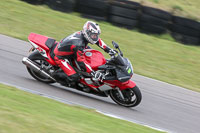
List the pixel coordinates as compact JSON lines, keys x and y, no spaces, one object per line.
{"x":72,"y":47}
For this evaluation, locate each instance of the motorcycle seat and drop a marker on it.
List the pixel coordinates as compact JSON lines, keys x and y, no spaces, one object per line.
{"x":50,"y":42}
{"x":42,"y":41}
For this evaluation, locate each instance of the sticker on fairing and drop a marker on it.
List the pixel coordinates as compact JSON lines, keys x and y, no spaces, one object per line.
{"x":88,"y":54}
{"x":129,"y":70}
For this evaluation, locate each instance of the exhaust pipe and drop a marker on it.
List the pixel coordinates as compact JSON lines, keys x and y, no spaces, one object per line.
{"x":29,"y":63}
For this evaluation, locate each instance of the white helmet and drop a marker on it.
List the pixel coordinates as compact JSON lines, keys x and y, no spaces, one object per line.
{"x":91,"y":32}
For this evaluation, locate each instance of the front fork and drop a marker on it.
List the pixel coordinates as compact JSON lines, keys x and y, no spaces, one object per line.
{"x":120,"y":93}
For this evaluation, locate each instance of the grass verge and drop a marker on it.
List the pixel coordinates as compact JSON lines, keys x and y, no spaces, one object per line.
{"x":151,"y":56}
{"x":22,"y":112}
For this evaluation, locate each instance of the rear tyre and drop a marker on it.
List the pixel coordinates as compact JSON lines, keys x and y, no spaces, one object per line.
{"x":132,"y":97}
{"x":38,"y":76}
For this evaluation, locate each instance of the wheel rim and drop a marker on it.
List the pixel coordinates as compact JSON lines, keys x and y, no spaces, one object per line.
{"x":130,"y":98}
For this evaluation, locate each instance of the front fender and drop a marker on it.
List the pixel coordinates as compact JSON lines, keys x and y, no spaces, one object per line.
{"x":122,"y":86}
{"x":129,"y":84}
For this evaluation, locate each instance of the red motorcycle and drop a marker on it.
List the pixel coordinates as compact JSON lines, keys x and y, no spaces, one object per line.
{"x":117,"y":70}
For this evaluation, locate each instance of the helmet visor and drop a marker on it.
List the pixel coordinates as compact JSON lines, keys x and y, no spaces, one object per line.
{"x":93,"y":36}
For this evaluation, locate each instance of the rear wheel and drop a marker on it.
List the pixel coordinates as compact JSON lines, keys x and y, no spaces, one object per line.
{"x":45,"y":66}
{"x":129,"y":97}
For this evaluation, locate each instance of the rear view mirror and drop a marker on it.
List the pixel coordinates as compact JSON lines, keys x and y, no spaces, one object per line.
{"x":115,"y":45}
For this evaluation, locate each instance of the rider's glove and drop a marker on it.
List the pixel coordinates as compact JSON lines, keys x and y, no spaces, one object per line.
{"x":98,"y":75}
{"x":112,"y":52}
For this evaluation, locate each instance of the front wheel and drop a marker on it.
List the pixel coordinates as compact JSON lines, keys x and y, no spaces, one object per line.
{"x":129,"y":97}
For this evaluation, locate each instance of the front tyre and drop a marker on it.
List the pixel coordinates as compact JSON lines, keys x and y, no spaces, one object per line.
{"x":131,"y":96}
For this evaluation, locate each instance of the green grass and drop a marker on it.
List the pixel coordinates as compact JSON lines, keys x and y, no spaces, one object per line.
{"x":156,"y":57}
{"x":186,"y":8}
{"x":22,"y":112}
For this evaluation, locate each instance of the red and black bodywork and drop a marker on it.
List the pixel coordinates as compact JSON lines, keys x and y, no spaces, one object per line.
{"x":118,"y":71}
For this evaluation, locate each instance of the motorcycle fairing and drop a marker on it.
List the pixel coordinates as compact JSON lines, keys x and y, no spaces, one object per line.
{"x":122,"y":73}
{"x":43,"y":45}
{"x":112,"y":84}
{"x":97,"y":87}
{"x":42,"y":41}
{"x":91,"y":85}
{"x":122,"y":86}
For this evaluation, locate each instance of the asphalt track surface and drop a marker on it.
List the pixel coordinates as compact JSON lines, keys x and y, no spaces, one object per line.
{"x":164,"y":106}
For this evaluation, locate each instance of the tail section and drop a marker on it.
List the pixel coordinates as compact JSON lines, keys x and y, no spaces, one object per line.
{"x":42,"y":41}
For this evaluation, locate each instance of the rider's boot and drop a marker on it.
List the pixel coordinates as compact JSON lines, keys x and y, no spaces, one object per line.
{"x":62,"y":78}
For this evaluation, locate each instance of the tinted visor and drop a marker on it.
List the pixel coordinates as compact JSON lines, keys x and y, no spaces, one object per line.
{"x":93,"y":36}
